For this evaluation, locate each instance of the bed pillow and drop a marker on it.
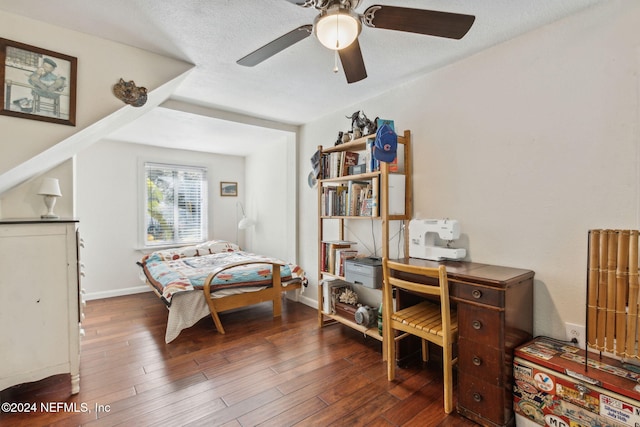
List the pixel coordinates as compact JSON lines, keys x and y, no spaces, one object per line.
{"x":216,"y":247}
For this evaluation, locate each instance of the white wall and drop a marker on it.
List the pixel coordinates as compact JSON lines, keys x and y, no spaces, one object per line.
{"x":271,"y":199}
{"x":22,"y":139}
{"x":529,"y":145}
{"x":108,"y":206}
{"x":24,"y":202}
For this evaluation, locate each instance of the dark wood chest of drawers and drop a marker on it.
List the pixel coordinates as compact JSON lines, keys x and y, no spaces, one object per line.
{"x":495,"y":315}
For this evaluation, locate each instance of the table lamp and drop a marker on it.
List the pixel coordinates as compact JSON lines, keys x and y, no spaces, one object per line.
{"x":50,"y":189}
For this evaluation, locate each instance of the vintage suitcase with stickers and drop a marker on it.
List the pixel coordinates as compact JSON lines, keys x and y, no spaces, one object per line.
{"x":555,"y":386}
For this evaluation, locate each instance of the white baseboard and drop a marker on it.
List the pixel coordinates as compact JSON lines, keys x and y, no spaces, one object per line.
{"x":117,"y":292}
{"x":308,"y":301}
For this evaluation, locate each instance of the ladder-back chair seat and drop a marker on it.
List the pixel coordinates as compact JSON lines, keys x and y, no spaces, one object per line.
{"x":434,"y":322}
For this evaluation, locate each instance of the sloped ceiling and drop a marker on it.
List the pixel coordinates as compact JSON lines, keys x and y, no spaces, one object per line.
{"x":293,"y":87}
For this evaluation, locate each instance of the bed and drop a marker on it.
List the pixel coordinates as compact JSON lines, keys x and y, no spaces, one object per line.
{"x":212,"y":277}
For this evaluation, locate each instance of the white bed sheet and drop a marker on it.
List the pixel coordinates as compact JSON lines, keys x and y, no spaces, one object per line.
{"x":187,"y":308}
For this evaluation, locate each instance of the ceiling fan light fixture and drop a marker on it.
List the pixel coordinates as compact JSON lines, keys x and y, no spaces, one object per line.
{"x":337,"y":28}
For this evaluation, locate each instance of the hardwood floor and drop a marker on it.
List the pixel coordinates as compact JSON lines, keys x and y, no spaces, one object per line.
{"x":264,"y":371}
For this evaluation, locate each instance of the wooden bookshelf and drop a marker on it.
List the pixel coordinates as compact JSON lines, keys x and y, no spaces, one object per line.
{"x":380,"y":177}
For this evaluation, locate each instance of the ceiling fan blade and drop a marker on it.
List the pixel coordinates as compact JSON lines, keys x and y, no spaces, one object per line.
{"x":352,"y":62}
{"x":303,"y":3}
{"x":278,"y":45}
{"x":429,"y":22}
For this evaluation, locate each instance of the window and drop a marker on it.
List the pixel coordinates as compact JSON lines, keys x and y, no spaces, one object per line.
{"x":175,"y":204}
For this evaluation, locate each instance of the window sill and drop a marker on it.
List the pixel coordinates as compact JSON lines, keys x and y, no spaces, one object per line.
{"x":149,"y":249}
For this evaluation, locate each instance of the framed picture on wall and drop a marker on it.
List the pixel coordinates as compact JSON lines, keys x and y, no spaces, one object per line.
{"x":37,"y":84}
{"x":228,"y":188}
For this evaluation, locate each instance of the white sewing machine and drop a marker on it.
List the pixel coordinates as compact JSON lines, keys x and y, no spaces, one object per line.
{"x":422,"y":238}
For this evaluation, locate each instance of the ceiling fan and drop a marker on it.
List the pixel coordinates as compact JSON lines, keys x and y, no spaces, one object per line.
{"x":338,"y":25}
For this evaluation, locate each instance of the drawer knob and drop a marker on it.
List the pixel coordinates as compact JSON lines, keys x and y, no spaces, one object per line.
{"x":477,"y":397}
{"x":477,"y":294}
{"x":476,"y":324}
{"x":476,"y":360}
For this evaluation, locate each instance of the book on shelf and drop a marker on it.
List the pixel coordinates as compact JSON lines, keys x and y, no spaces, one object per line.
{"x":333,"y":199}
{"x":375,"y":188}
{"x":372,"y":163}
{"x":348,"y":158}
{"x":390,"y":123}
{"x":357,"y":192}
{"x":337,"y":164}
{"x":328,"y":253}
{"x":346,"y":199}
{"x":367,"y":207}
{"x":397,"y":165}
{"x":341,"y":256}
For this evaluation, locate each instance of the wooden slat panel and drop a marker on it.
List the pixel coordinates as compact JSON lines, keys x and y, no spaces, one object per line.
{"x":612,"y":257}
{"x":612,"y":305}
{"x":602,"y":291}
{"x":622,"y":285}
{"x":592,"y":291}
{"x":632,"y":318}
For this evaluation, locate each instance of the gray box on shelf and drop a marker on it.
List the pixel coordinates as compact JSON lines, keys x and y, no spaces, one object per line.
{"x":364,"y":271}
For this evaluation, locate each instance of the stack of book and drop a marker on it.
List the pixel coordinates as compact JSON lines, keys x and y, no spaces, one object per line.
{"x":334,"y":253}
{"x":355,"y":198}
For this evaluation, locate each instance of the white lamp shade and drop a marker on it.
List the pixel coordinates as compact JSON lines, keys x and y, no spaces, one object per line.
{"x":50,"y":187}
{"x":246,"y":223}
{"x":337,"y":29}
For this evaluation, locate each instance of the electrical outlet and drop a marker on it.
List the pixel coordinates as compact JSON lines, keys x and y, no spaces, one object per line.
{"x":577,"y":332}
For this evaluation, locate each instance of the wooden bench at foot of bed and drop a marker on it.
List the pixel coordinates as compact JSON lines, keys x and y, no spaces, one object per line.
{"x":229,"y":302}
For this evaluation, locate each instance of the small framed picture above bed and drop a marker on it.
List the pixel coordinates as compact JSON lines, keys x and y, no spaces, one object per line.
{"x":229,"y":189}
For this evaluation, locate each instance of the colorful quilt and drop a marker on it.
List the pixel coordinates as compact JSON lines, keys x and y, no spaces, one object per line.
{"x":184,"y":270}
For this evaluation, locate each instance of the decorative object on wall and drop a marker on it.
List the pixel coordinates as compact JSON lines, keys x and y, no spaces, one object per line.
{"x":315,"y":162}
{"x":312,"y":180}
{"x":229,"y":189}
{"x":37,"y":84}
{"x":50,"y":189}
{"x":129,"y":93}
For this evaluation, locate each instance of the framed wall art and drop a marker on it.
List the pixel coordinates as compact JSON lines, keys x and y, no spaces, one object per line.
{"x":229,"y":189}
{"x":37,"y":84}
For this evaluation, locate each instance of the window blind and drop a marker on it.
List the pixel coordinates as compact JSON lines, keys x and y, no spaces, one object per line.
{"x":175,"y":204}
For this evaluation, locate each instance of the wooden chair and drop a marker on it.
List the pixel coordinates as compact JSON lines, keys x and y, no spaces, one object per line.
{"x":431,"y":321}
{"x":53,"y":106}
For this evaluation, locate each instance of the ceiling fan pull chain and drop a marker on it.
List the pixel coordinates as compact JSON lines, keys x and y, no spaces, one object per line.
{"x":337,"y":34}
{"x":335,"y":56}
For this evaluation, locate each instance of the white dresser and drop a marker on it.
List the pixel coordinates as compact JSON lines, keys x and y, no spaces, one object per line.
{"x":40,"y":304}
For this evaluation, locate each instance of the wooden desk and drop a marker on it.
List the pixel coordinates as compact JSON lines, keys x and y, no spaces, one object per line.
{"x":495,"y":315}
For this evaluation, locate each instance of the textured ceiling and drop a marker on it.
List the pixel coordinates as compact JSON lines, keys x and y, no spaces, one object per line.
{"x":297,"y":85}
